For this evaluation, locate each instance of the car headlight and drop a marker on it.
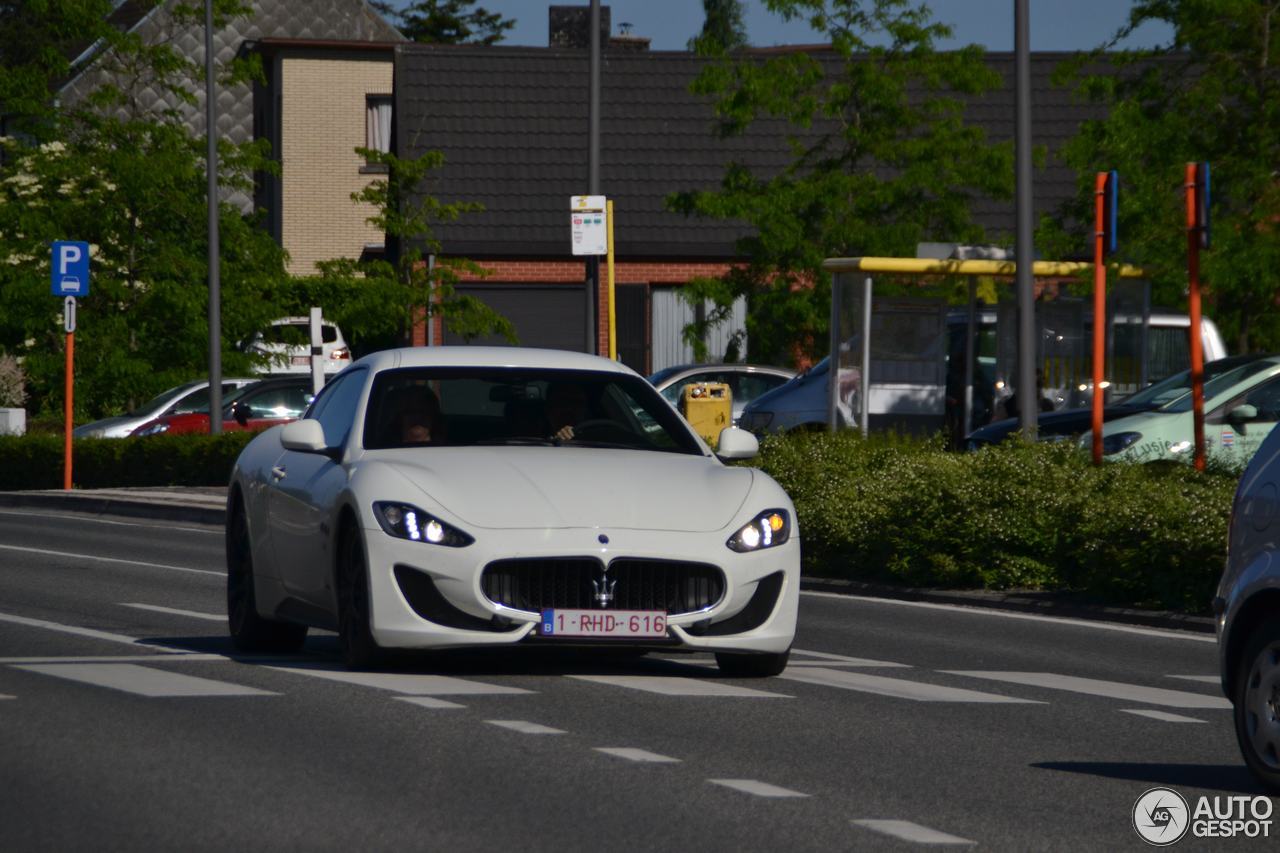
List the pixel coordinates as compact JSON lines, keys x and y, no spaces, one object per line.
{"x":769,"y":528}
{"x":406,"y":521}
{"x":1119,"y":441}
{"x":154,"y":429}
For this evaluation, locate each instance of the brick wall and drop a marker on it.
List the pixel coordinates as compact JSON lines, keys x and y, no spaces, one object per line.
{"x":322,"y":122}
{"x":561,"y":271}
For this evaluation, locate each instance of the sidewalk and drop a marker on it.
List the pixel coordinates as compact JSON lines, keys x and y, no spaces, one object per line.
{"x":207,"y":505}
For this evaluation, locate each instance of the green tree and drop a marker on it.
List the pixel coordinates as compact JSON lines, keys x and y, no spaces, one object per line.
{"x":881,"y":158}
{"x":129,"y":178}
{"x":1212,"y":93}
{"x":447,"y":22}
{"x":722,"y":28}
{"x":377,"y":302}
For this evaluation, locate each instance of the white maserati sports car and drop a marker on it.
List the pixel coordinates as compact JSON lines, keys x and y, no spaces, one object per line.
{"x":446,"y":497}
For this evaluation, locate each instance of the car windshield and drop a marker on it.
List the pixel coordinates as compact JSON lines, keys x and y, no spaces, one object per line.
{"x":161,"y":401}
{"x":1222,"y":382}
{"x":1167,"y":390}
{"x":460,"y":407}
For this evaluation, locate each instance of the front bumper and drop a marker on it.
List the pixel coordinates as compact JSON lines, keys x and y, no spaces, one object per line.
{"x":756,"y":612}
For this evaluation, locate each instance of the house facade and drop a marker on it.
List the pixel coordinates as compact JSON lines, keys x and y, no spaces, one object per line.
{"x":512,"y":124}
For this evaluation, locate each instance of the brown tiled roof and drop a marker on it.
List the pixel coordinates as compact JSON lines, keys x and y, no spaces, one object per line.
{"x":512,"y":123}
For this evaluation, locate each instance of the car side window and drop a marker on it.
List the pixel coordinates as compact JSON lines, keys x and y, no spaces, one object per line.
{"x":1265,"y":398}
{"x":335,"y":409}
{"x":748,"y":386}
{"x":281,"y":402}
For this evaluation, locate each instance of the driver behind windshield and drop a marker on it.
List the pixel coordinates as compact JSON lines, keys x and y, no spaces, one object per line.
{"x":566,"y":408}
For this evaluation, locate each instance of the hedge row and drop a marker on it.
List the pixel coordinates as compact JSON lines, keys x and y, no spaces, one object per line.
{"x":1016,"y":516}
{"x":885,"y":510}
{"x":34,"y":461}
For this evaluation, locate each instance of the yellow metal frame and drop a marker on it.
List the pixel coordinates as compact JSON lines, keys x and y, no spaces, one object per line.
{"x":932,"y":266}
{"x":613,"y":318}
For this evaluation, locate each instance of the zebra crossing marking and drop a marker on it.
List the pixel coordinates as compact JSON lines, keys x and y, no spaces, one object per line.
{"x":1163,"y":716}
{"x":897,"y":688}
{"x":1107,"y":689}
{"x":640,"y":755}
{"x":756,"y":788}
{"x":905,"y":830}
{"x":666,"y":685}
{"x":525,"y":727}
{"x":406,"y":684}
{"x":143,"y":680}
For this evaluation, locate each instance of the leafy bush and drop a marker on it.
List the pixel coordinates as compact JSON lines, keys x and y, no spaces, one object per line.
{"x":1016,"y":516}
{"x":35,"y":461}
{"x":13,"y":383}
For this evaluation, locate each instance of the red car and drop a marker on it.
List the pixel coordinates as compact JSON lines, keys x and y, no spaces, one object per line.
{"x":253,"y":407}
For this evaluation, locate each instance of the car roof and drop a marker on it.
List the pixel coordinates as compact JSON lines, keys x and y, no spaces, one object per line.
{"x":465,"y":356}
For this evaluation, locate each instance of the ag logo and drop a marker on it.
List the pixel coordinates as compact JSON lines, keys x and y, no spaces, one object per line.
{"x":1161,"y":817}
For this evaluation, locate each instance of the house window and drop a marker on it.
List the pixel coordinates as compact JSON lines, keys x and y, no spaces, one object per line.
{"x":378,"y":125}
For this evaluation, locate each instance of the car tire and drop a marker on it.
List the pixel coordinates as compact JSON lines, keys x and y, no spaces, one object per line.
{"x":752,"y":665}
{"x":1257,"y":703}
{"x":355,"y":637}
{"x":250,"y":632}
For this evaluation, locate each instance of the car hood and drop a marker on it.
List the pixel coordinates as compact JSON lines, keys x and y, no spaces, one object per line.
{"x":99,"y":427}
{"x":541,"y":487}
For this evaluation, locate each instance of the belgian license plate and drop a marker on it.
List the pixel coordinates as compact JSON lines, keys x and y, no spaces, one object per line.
{"x":301,"y":359}
{"x":604,"y":623}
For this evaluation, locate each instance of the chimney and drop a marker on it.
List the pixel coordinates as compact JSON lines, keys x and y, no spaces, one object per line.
{"x":624,"y":40}
{"x":570,"y":26}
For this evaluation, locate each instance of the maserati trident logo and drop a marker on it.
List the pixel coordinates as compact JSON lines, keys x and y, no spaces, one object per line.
{"x":603,"y":588}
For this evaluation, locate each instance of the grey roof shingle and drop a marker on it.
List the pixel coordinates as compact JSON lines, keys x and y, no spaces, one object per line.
{"x":512,"y":123}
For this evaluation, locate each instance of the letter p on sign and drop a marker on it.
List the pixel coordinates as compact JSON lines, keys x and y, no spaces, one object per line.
{"x":70,"y":268}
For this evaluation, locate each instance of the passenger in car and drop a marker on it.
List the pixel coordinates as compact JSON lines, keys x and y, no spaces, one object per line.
{"x":566,"y":408}
{"x":418,"y":415}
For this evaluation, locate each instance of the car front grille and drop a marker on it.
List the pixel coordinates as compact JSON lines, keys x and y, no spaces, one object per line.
{"x":567,"y":582}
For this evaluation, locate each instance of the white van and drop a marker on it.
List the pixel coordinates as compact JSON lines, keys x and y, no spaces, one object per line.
{"x":921,"y":408}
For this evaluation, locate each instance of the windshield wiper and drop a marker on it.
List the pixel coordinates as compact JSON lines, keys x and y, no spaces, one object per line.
{"x":515,"y":441}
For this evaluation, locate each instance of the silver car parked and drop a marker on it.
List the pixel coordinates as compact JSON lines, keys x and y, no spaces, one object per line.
{"x":1247,"y":607}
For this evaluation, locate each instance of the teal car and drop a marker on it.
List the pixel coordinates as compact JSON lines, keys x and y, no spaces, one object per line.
{"x":1241,"y":407}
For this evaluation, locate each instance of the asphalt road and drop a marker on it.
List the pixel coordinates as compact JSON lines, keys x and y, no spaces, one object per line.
{"x":127,"y":724}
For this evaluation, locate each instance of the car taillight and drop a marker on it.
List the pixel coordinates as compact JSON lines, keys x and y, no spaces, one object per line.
{"x":341,"y":354}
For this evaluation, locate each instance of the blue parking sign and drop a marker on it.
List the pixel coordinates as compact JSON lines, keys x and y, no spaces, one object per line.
{"x":70,"y":266}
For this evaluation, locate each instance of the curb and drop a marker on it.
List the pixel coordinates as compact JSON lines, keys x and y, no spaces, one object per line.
{"x":93,"y":504}
{"x":1038,"y":603}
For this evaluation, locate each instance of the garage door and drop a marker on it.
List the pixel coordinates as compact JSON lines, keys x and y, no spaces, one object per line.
{"x":552,"y":316}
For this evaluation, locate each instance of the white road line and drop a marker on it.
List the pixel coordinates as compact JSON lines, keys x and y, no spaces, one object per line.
{"x":905,"y":830}
{"x":1109,"y":689}
{"x":845,"y":659}
{"x":1031,"y":617}
{"x":212,"y":617}
{"x":83,"y":517}
{"x":897,"y":688}
{"x":1203,"y":679}
{"x":525,"y":727}
{"x":1163,"y":716}
{"x":429,"y":702}
{"x":5,"y":696}
{"x":678,"y":686}
{"x":84,"y":632}
{"x":759,"y":789}
{"x":138,"y":563}
{"x":403,"y":683}
{"x":142,"y":680}
{"x":152,"y":658}
{"x":642,"y":755}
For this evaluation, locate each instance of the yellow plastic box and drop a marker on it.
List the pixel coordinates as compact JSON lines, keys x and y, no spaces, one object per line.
{"x":708,"y":407}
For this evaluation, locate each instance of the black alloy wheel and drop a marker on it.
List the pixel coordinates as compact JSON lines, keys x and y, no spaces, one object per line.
{"x":359,"y":649}
{"x":249,"y":631}
{"x":1257,"y":703}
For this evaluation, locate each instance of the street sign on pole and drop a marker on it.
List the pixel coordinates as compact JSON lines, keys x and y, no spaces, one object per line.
{"x":587,"y":226}
{"x":69,"y":314}
{"x":70,"y":268}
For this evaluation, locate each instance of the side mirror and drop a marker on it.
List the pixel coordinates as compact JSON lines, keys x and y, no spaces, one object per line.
{"x":1243,"y":414}
{"x":240,"y":412}
{"x":735,"y":443}
{"x":304,"y":436}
